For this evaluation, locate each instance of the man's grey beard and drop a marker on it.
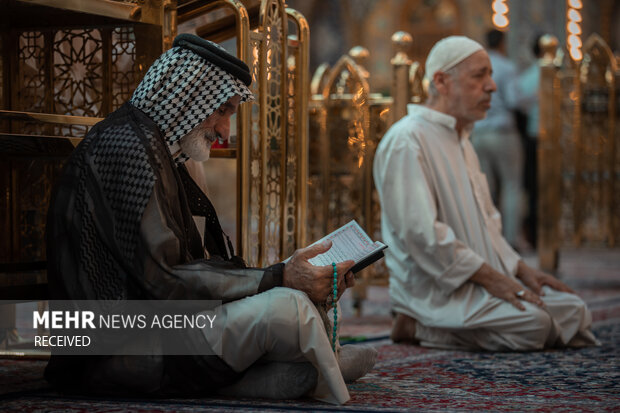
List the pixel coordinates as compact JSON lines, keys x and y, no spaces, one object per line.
{"x":197,"y":143}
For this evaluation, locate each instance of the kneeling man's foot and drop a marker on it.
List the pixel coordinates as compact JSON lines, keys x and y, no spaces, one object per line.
{"x":403,"y":330}
{"x":274,"y":380}
{"x":356,"y":360}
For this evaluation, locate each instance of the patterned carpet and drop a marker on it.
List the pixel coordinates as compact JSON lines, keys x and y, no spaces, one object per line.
{"x":407,"y":378}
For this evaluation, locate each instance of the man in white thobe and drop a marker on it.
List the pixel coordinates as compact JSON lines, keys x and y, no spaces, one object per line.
{"x":454,"y":280}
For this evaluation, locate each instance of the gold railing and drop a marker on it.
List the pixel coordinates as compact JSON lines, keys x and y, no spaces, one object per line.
{"x":579,"y":152}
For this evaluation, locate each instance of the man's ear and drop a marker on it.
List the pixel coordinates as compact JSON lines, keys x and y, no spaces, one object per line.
{"x":440,"y":79}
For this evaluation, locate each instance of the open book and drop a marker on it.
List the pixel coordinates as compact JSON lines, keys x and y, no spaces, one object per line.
{"x":350,"y":242}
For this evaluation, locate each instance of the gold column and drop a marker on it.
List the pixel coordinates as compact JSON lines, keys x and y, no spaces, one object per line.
{"x":417,"y":83}
{"x":549,"y":159}
{"x":596,"y":151}
{"x":401,"y":92}
{"x":615,"y":178}
{"x":302,"y":98}
{"x":169,"y":23}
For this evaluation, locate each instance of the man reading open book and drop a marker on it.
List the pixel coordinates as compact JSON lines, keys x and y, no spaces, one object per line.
{"x":120,"y":227}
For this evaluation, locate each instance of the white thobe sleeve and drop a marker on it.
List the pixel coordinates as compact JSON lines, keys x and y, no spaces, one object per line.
{"x":408,"y":202}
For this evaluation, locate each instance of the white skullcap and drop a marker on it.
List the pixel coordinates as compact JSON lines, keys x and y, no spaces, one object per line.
{"x":449,"y":52}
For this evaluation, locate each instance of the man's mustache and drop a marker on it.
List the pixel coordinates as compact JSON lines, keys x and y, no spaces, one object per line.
{"x":212,"y":136}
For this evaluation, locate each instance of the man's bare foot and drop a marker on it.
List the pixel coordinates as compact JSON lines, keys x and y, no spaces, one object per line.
{"x":403,"y":330}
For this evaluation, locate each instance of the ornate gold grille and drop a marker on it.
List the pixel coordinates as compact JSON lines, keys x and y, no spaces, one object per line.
{"x":55,"y":63}
{"x":297,"y":92}
{"x":579,"y":159}
{"x":346,"y":125}
{"x":31,"y":71}
{"x":77,"y":84}
{"x":271,"y":201}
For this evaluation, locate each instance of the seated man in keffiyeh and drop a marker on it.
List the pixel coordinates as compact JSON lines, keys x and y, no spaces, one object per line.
{"x":129,"y":235}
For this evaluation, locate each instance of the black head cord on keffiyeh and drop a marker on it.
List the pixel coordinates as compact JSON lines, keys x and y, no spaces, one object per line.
{"x":215,"y":54}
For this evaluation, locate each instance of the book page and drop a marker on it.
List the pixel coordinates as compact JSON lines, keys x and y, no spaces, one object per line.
{"x":349,"y":242}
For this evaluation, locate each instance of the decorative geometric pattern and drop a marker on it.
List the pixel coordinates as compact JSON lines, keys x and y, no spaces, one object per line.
{"x":78,"y":75}
{"x":290,"y":200}
{"x":77,"y":84}
{"x":31,"y":68}
{"x":267,"y":146}
{"x":256,"y":159}
{"x":31,"y":93}
{"x":123,"y":65}
{"x":273,"y":144}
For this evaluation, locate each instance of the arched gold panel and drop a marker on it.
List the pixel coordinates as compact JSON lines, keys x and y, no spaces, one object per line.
{"x":344,"y":123}
{"x":579,"y":163}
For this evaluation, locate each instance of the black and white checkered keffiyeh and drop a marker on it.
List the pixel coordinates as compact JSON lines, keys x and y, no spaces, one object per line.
{"x":181,"y":89}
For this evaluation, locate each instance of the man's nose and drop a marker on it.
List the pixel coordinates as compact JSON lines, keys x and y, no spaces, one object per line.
{"x":491,"y":86}
{"x":223,"y":129}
